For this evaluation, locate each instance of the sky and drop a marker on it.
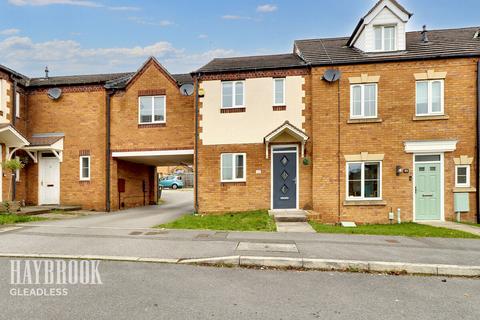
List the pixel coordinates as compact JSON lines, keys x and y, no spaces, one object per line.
{"x":103,"y":36}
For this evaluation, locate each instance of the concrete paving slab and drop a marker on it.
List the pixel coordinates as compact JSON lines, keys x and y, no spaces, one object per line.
{"x":294,"y":227}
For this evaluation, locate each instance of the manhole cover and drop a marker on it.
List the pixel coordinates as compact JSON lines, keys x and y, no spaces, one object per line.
{"x":267,"y":247}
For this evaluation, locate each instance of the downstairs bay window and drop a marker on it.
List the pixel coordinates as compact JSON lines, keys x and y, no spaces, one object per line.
{"x":233,"y":167}
{"x":364,"y":180}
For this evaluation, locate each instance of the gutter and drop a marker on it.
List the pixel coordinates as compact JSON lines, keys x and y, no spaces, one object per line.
{"x":197,"y":86}
{"x":108,"y":149}
{"x":477,"y":162}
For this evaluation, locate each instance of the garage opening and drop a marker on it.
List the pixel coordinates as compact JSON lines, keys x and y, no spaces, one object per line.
{"x":142,"y":178}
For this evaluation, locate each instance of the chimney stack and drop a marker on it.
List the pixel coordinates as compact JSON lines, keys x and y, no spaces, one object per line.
{"x":424,"y":34}
{"x":46,"y":72}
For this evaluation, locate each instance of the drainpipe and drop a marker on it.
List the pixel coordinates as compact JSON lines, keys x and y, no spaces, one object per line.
{"x":108,"y":150}
{"x":197,"y":85}
{"x":14,"y":118}
{"x":478,"y":142}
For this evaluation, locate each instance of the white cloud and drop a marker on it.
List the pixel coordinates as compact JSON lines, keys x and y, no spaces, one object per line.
{"x":9,"y":32}
{"x":234,"y":17}
{"x":267,"y":8}
{"x":83,"y":3}
{"x":202,"y":36}
{"x":150,"y":22}
{"x":69,"y":57}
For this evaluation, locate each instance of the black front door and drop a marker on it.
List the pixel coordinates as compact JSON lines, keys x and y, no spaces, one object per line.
{"x":285,"y":180}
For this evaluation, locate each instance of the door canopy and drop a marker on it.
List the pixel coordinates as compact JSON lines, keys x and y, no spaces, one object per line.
{"x":286,"y":133}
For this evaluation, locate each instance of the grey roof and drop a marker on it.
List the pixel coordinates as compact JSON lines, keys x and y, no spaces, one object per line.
{"x":22,"y":78}
{"x":116,"y":80}
{"x":277,"y":61}
{"x":442,"y":44}
{"x":43,"y":141}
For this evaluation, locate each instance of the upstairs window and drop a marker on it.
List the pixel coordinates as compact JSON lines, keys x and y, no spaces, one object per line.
{"x":233,"y":167}
{"x":151,"y":109}
{"x":385,"y":38}
{"x":279,"y":92}
{"x":363,"y":101}
{"x":429,"y":98}
{"x":233,"y":94}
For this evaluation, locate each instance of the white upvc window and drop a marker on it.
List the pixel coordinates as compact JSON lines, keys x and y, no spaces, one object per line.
{"x":152,"y":109}
{"x":429,"y":97}
{"x":279,"y":91}
{"x":17,"y":105}
{"x":363,"y":100}
{"x":84,"y":168}
{"x":385,"y":38}
{"x":462,"y":176}
{"x":233,"y":167}
{"x":233,"y":94}
{"x":364,"y":180}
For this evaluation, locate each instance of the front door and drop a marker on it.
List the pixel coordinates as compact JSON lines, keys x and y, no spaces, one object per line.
{"x":284,"y":178}
{"x":49,"y":179}
{"x":427,"y":191}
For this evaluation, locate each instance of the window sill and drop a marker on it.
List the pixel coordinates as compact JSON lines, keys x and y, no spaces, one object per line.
{"x":464,"y":189}
{"x":151,"y":125}
{"x":364,"y":203}
{"x":279,"y":108}
{"x":425,"y":118}
{"x":365,"y":120}
{"x":233,"y":183}
{"x":233,"y":110}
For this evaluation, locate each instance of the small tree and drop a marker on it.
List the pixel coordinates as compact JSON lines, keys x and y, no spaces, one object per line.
{"x":12,"y":165}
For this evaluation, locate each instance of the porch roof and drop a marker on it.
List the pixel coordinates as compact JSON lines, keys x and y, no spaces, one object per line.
{"x":285,"y":133}
{"x":11,"y":137}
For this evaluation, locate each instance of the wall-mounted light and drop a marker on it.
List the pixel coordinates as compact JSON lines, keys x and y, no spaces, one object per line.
{"x":398,"y":170}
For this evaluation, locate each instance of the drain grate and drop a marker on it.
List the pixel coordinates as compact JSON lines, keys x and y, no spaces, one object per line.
{"x":135,"y":233}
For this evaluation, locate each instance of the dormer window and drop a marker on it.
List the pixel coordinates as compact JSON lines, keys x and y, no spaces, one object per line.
{"x":385,"y":38}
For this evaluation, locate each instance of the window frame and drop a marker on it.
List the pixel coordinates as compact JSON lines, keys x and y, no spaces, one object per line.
{"x":429,"y":98}
{"x":233,"y":94}
{"x":234,"y":165}
{"x":153,"y":110}
{"x":382,"y":27}
{"x":362,"y":180}
{"x":362,"y":101}
{"x":467,"y":183}
{"x":82,"y":178}
{"x":283,"y":91}
{"x":17,"y":104}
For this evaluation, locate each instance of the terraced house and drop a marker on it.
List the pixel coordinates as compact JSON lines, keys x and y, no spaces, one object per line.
{"x":380,"y":124}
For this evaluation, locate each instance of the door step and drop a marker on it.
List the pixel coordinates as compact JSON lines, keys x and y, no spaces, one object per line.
{"x":289,"y":215}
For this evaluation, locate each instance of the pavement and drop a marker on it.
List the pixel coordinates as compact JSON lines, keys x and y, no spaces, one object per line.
{"x":161,"y":291}
{"x":454,"y":226}
{"x":128,"y":236}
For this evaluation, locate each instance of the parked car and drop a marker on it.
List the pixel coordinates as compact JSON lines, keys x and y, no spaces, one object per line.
{"x":172,"y":182}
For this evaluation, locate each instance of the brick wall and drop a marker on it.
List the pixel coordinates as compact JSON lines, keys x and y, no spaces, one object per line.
{"x":396,"y":108}
{"x":80,"y":115}
{"x":177,"y":133}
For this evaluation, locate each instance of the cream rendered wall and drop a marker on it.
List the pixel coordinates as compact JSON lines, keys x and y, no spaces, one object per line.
{"x":258,"y":120}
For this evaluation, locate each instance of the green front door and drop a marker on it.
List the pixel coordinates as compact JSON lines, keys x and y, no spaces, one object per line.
{"x":427,"y":191}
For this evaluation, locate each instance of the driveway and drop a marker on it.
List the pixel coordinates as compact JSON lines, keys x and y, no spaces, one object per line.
{"x":177,"y":203}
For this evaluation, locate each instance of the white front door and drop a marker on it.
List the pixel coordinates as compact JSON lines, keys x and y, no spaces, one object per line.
{"x":49,"y":179}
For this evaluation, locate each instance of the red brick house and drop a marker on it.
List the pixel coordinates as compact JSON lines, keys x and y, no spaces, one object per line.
{"x":356,"y":128}
{"x":352,"y":129}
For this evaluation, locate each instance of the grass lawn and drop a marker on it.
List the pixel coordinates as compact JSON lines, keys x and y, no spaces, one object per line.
{"x":236,"y":221}
{"x":13,"y":218}
{"x":405,"y":229}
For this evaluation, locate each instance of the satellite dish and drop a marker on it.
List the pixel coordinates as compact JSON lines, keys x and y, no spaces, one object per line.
{"x":332,"y":75}
{"x":186,"y":89}
{"x":54,"y":93}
